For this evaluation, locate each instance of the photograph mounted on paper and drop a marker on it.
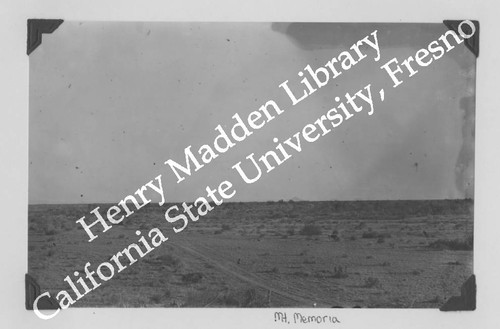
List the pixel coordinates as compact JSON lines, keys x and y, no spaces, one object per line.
{"x":251,"y":165}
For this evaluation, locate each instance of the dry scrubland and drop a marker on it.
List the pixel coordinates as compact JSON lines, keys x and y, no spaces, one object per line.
{"x":398,"y":254}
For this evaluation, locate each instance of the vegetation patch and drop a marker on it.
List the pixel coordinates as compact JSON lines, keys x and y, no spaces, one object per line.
{"x":190,"y":278}
{"x":375,"y":235}
{"x":310,"y":230}
{"x":455,"y":244}
{"x":371,"y":282}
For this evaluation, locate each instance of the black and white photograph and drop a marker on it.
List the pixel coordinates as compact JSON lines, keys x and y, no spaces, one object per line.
{"x":252,"y":164}
{"x":280,"y":172}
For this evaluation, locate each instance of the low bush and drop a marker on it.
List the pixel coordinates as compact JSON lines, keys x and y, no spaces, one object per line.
{"x":310,"y":229}
{"x":335,"y":235}
{"x":375,"y":235}
{"x":169,"y":260}
{"x":50,"y":230}
{"x":371,"y":282}
{"x":156,"y":298}
{"x":455,"y":244}
{"x":369,"y":235}
{"x":340,"y":272}
{"x":194,"y":277}
{"x":230,"y":298}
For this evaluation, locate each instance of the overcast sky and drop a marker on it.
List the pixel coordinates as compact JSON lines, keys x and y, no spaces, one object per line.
{"x":111,"y":102}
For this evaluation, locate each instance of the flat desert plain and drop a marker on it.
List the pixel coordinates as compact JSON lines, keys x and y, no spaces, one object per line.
{"x":376,"y":254}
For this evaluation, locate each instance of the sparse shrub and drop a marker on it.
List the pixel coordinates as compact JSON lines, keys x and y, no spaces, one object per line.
{"x":335,"y":235}
{"x":190,"y":278}
{"x":374,"y":235}
{"x":252,"y":299}
{"x":230,"y":298}
{"x":169,"y":260}
{"x":165,"y":260}
{"x":225,"y":227}
{"x":323,"y":274}
{"x":369,"y":235}
{"x":455,"y":244}
{"x":50,"y":230}
{"x":156,"y":298}
{"x":310,"y":229}
{"x":436,"y":300}
{"x":352,"y":238}
{"x":371,"y":282}
{"x":360,"y":226}
{"x":121,"y":236}
{"x":196,"y":298}
{"x":380,"y":239}
{"x":340,"y":272}
{"x":115,"y":299}
{"x":275,"y":270}
{"x":301,"y":274}
{"x":68,"y":227}
{"x":244,"y":298}
{"x":290,"y":231}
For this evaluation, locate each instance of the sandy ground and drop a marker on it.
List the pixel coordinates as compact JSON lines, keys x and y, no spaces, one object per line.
{"x":360,"y":254}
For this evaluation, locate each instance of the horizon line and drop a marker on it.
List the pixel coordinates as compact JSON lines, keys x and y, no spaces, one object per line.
{"x":255,"y":201}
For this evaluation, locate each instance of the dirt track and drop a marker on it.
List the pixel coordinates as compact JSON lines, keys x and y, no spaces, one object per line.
{"x":228,"y":267}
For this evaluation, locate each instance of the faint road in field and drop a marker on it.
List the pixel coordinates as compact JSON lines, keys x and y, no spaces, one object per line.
{"x":302,"y":301}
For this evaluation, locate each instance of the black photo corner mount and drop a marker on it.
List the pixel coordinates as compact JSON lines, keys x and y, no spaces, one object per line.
{"x":35,"y":29}
{"x":33,"y":291}
{"x":467,"y":299}
{"x":473,"y":42}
